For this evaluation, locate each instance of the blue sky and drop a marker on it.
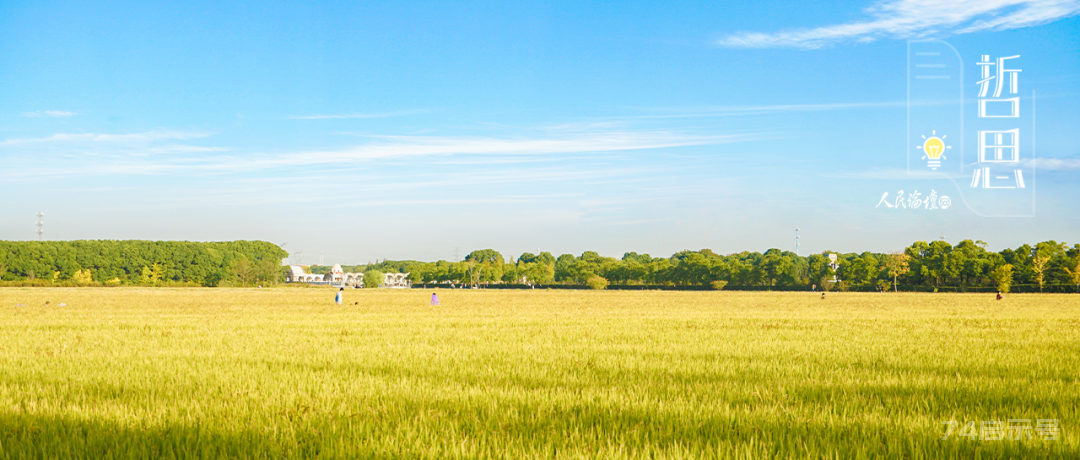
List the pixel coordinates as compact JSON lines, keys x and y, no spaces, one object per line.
{"x":365,"y":130}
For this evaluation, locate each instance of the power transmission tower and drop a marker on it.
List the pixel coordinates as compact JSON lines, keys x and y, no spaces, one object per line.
{"x":40,"y":224}
{"x":321,"y":258}
{"x":796,"y":241}
{"x":457,"y":254}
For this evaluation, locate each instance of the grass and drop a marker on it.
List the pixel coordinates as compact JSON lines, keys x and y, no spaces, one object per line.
{"x":286,"y":373}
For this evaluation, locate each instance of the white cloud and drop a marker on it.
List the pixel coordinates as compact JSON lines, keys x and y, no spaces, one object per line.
{"x":49,"y":113}
{"x":1056,"y":164}
{"x":391,"y":147}
{"x":186,"y":149}
{"x":1040,"y":164}
{"x":149,"y":136}
{"x":355,"y":115}
{"x":737,"y":110}
{"x":893,"y":174}
{"x":914,"y":19}
{"x":127,"y":154}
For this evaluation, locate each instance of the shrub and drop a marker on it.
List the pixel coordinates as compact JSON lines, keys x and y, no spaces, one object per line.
{"x":718,"y":284}
{"x":597,"y":282}
{"x":83,"y":277}
{"x":373,"y":278}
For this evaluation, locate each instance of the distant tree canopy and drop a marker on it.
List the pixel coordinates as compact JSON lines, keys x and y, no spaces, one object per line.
{"x":930,"y":264}
{"x":142,"y":262}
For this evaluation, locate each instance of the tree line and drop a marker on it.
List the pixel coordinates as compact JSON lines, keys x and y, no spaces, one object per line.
{"x":924,"y":265}
{"x":112,"y":262}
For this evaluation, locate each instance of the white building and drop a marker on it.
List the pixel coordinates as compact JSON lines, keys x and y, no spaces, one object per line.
{"x":296,"y":275}
{"x":396,"y":280}
{"x":338,"y":277}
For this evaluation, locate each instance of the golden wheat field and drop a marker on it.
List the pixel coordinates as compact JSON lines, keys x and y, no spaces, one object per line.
{"x":286,"y":373}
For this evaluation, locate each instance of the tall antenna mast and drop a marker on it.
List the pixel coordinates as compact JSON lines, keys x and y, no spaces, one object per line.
{"x":796,"y":241}
{"x":40,"y":224}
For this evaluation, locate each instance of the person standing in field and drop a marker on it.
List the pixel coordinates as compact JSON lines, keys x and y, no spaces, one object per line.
{"x":434,"y":299}
{"x":340,"y":296}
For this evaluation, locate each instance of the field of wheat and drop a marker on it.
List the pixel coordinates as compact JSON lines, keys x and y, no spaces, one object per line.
{"x":286,"y":373}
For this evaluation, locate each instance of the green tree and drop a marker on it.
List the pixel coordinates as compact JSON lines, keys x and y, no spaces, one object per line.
{"x":151,"y":274}
{"x":972,"y":261}
{"x":1074,"y":272}
{"x":863,"y":270}
{"x":896,"y":265}
{"x":1038,"y":266}
{"x":268,"y":271}
{"x":373,"y":278}
{"x":484,"y":265}
{"x":562,"y":267}
{"x":244,"y":271}
{"x":691,"y":268}
{"x":1003,"y":277}
{"x":775,"y":267}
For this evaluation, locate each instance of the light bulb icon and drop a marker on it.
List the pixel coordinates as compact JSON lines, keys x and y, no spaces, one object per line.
{"x":934,"y":150}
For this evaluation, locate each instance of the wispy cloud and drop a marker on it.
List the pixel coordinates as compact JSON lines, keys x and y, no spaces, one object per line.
{"x":1056,"y":164}
{"x":1039,"y":164}
{"x":914,"y":19}
{"x":132,"y":154}
{"x":388,"y":147}
{"x":186,"y":149}
{"x":49,"y":113}
{"x":148,"y":136}
{"x":892,"y":174}
{"x":724,"y":111}
{"x":356,"y":115}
